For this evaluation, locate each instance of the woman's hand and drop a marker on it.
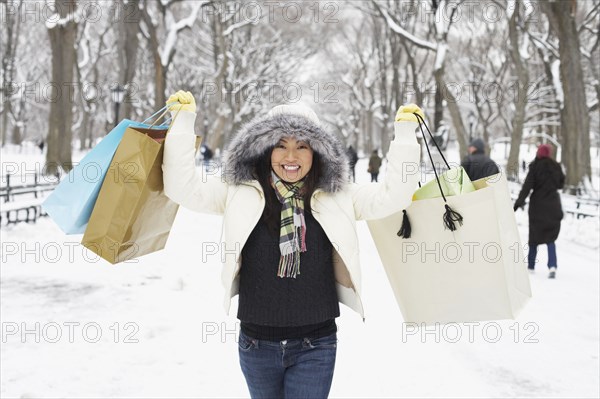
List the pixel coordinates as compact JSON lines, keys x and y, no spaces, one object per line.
{"x":406,"y":113}
{"x":182,"y":101}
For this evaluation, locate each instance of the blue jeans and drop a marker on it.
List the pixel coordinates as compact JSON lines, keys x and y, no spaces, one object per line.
{"x":533,"y":253}
{"x":292,"y":368}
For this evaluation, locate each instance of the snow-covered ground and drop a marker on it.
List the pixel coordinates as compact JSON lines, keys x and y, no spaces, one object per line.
{"x":75,"y":326}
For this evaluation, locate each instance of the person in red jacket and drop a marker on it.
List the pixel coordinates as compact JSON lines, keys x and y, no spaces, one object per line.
{"x":544,"y":179}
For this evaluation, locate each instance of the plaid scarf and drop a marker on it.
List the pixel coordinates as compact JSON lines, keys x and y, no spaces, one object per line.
{"x":292,"y":237}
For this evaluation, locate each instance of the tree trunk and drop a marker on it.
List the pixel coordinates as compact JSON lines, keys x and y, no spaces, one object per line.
{"x":438,"y":113}
{"x":159,"y":74}
{"x":5,"y":118}
{"x":398,"y":93}
{"x":366,"y":131}
{"x":160,"y":82}
{"x":85,"y":121}
{"x":20,"y":127}
{"x":574,"y":117}
{"x":217,"y":138}
{"x":10,"y":30}
{"x":17,"y":137}
{"x":459,"y":127}
{"x":62,"y":42}
{"x":128,"y":44}
{"x":512,"y":165}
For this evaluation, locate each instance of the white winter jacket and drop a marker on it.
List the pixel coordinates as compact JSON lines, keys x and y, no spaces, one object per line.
{"x":241,"y":203}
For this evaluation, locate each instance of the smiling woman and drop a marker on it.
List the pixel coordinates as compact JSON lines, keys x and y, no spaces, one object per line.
{"x":291,"y":159}
{"x":291,"y":212}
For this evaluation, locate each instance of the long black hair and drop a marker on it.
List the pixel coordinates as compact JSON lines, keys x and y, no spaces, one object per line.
{"x":272,"y":212}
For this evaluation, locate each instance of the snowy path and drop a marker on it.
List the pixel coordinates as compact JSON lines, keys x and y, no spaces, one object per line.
{"x":186,"y":346}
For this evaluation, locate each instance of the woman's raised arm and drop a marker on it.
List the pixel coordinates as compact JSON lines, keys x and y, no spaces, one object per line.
{"x":183,"y":182}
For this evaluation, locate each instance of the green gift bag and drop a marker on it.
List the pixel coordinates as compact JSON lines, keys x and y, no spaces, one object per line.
{"x":453,"y":182}
{"x":132,"y":216}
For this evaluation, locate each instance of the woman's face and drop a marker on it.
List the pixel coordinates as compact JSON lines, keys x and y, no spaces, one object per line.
{"x":291,"y":160}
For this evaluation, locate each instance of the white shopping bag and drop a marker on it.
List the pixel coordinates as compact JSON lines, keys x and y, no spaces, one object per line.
{"x":474,"y":273}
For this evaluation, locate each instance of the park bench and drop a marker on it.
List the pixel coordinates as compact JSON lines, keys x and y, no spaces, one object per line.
{"x":584,"y":208}
{"x":8,"y":191}
{"x":587,"y":202}
{"x":28,"y":211}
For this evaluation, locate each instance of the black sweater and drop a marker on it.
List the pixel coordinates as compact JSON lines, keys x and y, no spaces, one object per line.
{"x":275,"y":308}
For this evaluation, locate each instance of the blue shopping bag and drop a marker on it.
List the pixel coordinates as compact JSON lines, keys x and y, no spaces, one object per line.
{"x":71,"y":203}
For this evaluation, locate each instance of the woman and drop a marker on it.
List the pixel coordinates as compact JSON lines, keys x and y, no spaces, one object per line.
{"x":290,"y":243}
{"x":545,"y":177}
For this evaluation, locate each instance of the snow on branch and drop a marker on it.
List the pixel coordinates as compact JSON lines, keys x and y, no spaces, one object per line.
{"x":404,"y":33}
{"x":238,"y":25}
{"x":555,"y":68}
{"x":54,"y":20}
{"x":352,"y":86}
{"x":524,"y":48}
{"x":174,"y":28}
{"x":83,"y":44}
{"x":443,"y":22}
{"x":440,"y":56}
{"x":543,"y":44}
{"x":511,"y":5}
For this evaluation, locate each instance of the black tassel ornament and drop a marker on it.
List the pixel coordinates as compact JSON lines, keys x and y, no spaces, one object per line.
{"x":451,"y":216}
{"x":404,"y":231}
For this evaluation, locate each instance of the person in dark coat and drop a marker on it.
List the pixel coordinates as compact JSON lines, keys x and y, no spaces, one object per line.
{"x":207,"y":155}
{"x":477,"y":164}
{"x":545,"y":178}
{"x":353,"y":159}
{"x":374,"y":165}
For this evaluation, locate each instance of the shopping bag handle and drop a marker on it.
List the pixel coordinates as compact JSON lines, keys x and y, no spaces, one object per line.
{"x":450,"y":216}
{"x":437,"y":178}
{"x":164,"y":111}
{"x":419,"y":119}
{"x":156,"y":113}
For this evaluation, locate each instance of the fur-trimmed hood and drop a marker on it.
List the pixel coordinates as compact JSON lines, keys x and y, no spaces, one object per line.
{"x":264,"y":132}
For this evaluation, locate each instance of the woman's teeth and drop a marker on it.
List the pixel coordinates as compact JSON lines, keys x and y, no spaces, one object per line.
{"x":290,"y":167}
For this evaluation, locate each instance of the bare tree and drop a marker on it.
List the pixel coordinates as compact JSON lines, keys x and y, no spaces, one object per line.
{"x":441,"y":28}
{"x":127,"y":49}
{"x":574,"y":119}
{"x":92,"y":48}
{"x":62,"y":32}
{"x":168,"y":26}
{"x":10,"y":39}
{"x":360,"y":80}
{"x":589,"y":32}
{"x":520,"y":103}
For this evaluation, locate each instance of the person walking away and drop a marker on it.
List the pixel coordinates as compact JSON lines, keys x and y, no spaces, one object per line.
{"x":544,"y":179}
{"x":353,"y":159}
{"x":374,"y":165}
{"x":477,"y":164}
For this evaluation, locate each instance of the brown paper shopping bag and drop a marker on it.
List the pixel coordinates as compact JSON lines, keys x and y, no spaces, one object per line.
{"x":132,"y":216}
